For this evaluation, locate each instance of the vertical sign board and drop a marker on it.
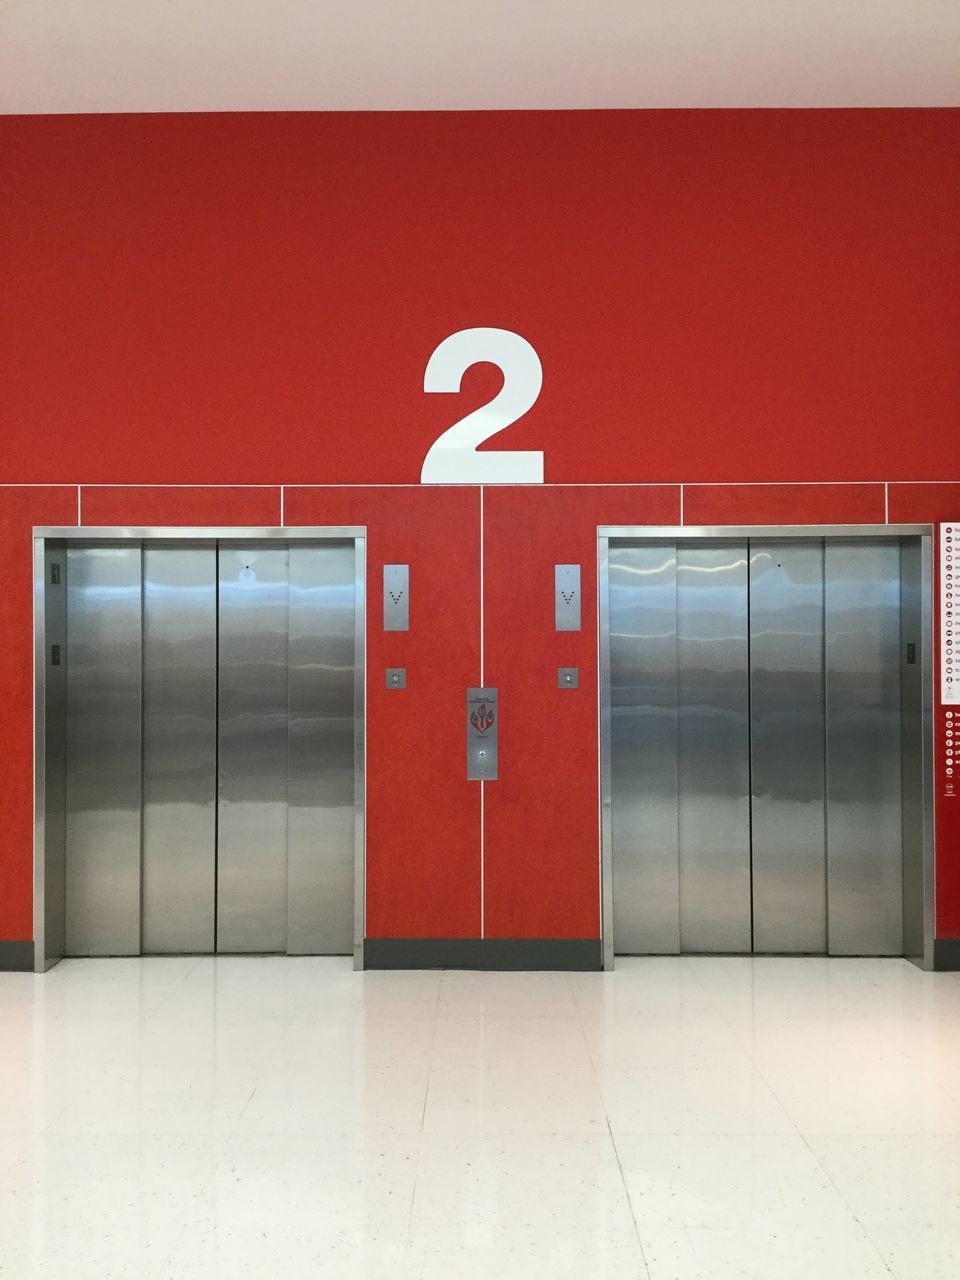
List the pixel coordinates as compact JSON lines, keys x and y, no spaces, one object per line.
{"x":949,"y":649}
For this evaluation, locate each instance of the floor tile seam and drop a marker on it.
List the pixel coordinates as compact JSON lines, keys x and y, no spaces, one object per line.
{"x":586,"y":1042}
{"x":626,"y":1192}
{"x":408,"y":1234}
{"x":862,"y":1227}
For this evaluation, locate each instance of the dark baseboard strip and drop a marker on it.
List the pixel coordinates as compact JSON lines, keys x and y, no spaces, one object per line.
{"x":482,"y":953}
{"x":16,"y":957}
{"x":946,"y":954}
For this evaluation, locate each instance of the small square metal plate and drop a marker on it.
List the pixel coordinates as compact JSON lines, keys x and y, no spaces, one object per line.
{"x":568,"y":677}
{"x":396,"y":677}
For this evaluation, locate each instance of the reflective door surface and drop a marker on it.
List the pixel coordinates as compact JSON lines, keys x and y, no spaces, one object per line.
{"x":210,"y":739}
{"x":103,"y":694}
{"x":252,"y":835}
{"x":863,"y":695}
{"x":713,"y":761}
{"x":756,"y":759}
{"x":179,"y":748}
{"x":787,"y":747}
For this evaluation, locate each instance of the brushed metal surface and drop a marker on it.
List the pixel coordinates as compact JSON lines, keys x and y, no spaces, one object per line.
{"x":282,"y":534}
{"x":714,"y":748}
{"x":864,"y":862}
{"x":252,"y":809}
{"x":787,"y":747}
{"x":102,"y":840}
{"x":396,"y":597}
{"x":51,"y":938}
{"x":483,"y":729}
{"x":179,"y":748}
{"x":566,"y":592}
{"x":642,"y":584}
{"x":360,"y":750}
{"x":855,"y":807}
{"x":912,"y":756}
{"x":320,"y":832}
{"x":700,"y":532}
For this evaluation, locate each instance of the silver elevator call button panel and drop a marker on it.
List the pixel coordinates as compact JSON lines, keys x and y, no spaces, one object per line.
{"x":567,"y":596}
{"x":568,"y":677}
{"x":396,"y":597}
{"x":482,"y":724}
{"x":396,"y":677}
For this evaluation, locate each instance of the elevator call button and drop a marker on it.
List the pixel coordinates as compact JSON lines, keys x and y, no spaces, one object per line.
{"x":483,"y":720}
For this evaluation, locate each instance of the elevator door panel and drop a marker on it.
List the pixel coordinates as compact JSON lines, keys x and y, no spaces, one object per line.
{"x":787,"y":747}
{"x":864,"y":838}
{"x":714,"y":748}
{"x":252,"y":809}
{"x":102,"y":828}
{"x":643,"y":730}
{"x":320,"y":860}
{"x":179,"y":748}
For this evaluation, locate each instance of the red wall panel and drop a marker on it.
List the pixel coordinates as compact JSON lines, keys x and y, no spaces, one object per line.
{"x":423,"y":817}
{"x":784,"y":504}
{"x":20,"y":510}
{"x":541,"y":853}
{"x":715,"y":295}
{"x":739,"y":301}
{"x":925,"y":503}
{"x":175,"y":505}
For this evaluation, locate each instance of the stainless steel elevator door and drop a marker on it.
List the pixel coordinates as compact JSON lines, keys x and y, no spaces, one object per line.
{"x":713,"y":748}
{"x":787,"y":747}
{"x":252,"y":821}
{"x":102,"y":828}
{"x":863,"y":713}
{"x":756,"y":734}
{"x":209,"y":774}
{"x":643,"y":729}
{"x":322,"y":780}
{"x":179,"y":748}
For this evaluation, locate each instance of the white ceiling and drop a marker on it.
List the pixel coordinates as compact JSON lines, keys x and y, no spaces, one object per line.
{"x":321,"y":55}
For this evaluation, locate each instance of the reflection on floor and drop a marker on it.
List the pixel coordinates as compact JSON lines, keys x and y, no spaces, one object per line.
{"x":288,"y":1118}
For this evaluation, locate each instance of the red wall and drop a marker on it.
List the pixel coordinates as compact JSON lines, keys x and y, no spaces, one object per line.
{"x":753,"y":305}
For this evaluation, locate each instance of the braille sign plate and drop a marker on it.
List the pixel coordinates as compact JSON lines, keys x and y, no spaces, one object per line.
{"x":949,"y":648}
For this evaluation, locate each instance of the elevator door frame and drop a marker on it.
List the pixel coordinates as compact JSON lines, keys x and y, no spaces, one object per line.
{"x":650,"y":534}
{"x":48,"y":889}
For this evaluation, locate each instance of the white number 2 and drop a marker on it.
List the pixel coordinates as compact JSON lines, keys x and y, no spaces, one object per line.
{"x":453,"y":457}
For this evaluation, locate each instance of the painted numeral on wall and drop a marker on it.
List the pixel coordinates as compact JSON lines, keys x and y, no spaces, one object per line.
{"x":453,"y":457}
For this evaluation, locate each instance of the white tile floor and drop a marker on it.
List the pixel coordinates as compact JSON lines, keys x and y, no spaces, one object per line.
{"x":166,"y":1119}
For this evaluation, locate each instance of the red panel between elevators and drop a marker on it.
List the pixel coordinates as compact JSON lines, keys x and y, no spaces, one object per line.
{"x":714,"y":295}
{"x":20,"y":511}
{"x":542,"y":842}
{"x":181,"y":506}
{"x":784,"y":504}
{"x":423,"y":817}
